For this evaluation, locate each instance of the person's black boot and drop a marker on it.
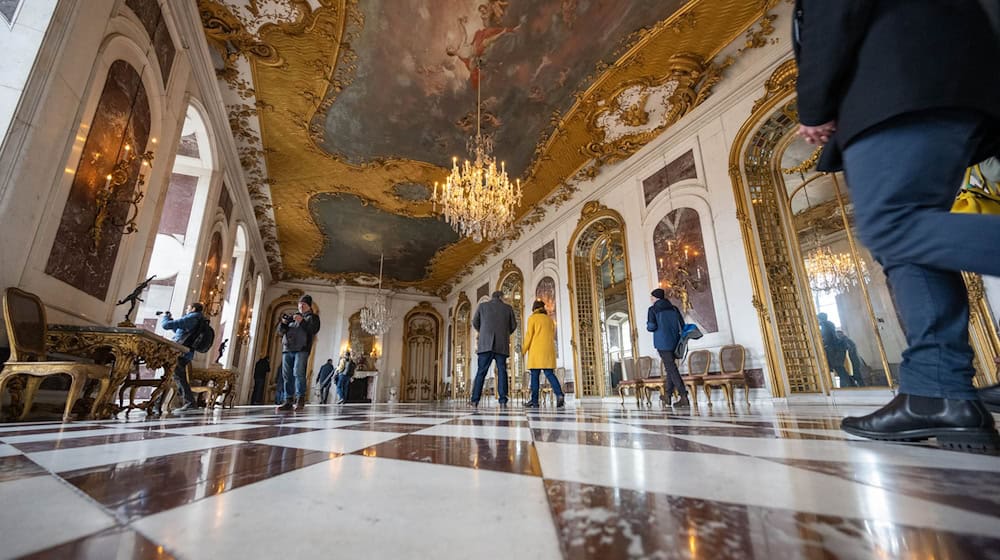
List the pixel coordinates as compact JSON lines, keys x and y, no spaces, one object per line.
{"x":957,"y":424}
{"x":991,"y":397}
{"x":284,"y":407}
{"x":561,"y":402}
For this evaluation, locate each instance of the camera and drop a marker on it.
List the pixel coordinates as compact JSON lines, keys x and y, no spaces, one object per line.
{"x":158,"y":313}
{"x":286,"y":318}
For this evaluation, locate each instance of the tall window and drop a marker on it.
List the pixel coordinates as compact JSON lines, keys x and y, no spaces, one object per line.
{"x":180,"y":223}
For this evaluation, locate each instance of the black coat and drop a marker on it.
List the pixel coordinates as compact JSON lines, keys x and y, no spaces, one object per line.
{"x":665,"y":321}
{"x":863,"y":62}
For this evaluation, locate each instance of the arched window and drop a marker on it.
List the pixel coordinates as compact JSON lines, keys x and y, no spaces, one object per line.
{"x":176,"y":241}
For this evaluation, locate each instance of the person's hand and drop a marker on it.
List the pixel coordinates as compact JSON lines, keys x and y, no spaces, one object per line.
{"x":818,"y":135}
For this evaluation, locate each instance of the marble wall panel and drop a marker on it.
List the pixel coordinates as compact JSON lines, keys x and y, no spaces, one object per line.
{"x":682,"y":267}
{"x":677,"y":170}
{"x":122,"y":118}
{"x":151,"y":17}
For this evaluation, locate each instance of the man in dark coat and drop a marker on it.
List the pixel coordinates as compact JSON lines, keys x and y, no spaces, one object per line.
{"x":835,"y":351}
{"x":665,"y":321}
{"x":324,"y":378}
{"x":903,"y":93}
{"x":260,"y":371}
{"x":297,"y":338}
{"x":495,"y":322}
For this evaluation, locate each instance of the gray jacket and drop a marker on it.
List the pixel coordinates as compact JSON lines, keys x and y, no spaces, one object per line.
{"x":495,"y":322}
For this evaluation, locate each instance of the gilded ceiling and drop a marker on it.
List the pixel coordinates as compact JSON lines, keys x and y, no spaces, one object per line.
{"x":346,"y":111}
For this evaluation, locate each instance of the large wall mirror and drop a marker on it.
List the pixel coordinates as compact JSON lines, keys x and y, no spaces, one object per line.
{"x":601,"y":301}
{"x":511,"y":283}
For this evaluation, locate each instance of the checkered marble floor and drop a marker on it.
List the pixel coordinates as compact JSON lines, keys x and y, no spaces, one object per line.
{"x":443,"y":481}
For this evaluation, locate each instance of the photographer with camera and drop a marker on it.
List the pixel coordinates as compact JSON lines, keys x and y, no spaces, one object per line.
{"x":297,"y":333}
{"x":186,"y":330}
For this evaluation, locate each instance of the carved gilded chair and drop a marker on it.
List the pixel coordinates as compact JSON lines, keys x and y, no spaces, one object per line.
{"x":24,"y":315}
{"x":732,"y":358}
{"x":698,"y":363}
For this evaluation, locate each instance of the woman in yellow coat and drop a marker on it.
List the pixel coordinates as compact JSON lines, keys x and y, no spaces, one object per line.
{"x":540,"y":346}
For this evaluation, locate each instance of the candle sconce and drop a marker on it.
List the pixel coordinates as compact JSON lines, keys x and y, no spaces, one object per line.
{"x":681,"y":271}
{"x":115,"y":192}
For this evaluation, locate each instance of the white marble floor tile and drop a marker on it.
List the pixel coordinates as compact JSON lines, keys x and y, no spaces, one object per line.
{"x":209,"y":428}
{"x":7,"y":451}
{"x":61,"y":460}
{"x":352,"y":507}
{"x":62,"y":435}
{"x":749,"y":481}
{"x":42,"y":511}
{"x":416,"y":420}
{"x":323,"y":424}
{"x":851,"y":451}
{"x":587,"y":426}
{"x":516,"y":433}
{"x":333,"y":441}
{"x":821,"y":432}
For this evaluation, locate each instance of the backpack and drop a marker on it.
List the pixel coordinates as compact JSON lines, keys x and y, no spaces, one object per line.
{"x":689,"y":332}
{"x":201,"y":337}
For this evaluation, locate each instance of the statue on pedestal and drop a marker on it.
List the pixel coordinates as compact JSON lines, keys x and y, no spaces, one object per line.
{"x":133,"y":299}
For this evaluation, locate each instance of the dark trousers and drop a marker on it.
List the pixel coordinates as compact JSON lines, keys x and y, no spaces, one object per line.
{"x":485,"y":359}
{"x":903,"y":177}
{"x":181,"y":378}
{"x":553,"y":381}
{"x":343,"y":386}
{"x":257,"y":397}
{"x":324,"y":391}
{"x":672,"y":376}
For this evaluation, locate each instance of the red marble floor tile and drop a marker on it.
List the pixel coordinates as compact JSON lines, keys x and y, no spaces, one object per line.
{"x":263,"y":432}
{"x":76,"y":442}
{"x":387,"y":427}
{"x":610,"y":523}
{"x":15,"y":467}
{"x":518,"y":457}
{"x":138,"y":480}
{"x":55,"y":430}
{"x":291,"y":459}
{"x":117,"y":544}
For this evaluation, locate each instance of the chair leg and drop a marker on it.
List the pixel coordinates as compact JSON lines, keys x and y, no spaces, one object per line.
{"x":638,"y":395}
{"x":694,"y":395}
{"x":103,"y":388}
{"x":30,"y":389}
{"x":621,"y":393}
{"x":746,"y":392}
{"x":74,"y":389}
{"x":708,"y":394}
{"x":727,"y":391}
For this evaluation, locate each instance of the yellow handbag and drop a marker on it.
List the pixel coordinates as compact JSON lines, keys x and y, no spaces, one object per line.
{"x":983,"y":198}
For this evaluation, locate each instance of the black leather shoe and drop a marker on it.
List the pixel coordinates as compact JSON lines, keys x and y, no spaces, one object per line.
{"x":991,"y":397}
{"x":561,"y":402}
{"x":530,"y":405}
{"x":957,"y":424}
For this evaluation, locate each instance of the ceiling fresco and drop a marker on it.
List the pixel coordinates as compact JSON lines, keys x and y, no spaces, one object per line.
{"x":357,"y":233}
{"x":351,"y":109}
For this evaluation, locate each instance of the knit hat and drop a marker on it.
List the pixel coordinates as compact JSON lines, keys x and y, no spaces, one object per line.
{"x":659,"y":293}
{"x":306,"y":299}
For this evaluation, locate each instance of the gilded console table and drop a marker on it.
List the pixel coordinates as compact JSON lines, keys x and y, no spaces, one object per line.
{"x":124,"y":347}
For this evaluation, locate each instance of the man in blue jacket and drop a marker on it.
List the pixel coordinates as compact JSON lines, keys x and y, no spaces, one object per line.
{"x":900,"y":94}
{"x":664,"y":320}
{"x":184,"y":329}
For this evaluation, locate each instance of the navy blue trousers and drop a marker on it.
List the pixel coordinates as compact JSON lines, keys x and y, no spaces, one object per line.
{"x":903,"y":177}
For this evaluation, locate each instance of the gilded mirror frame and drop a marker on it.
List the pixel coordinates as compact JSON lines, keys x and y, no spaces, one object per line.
{"x":793,"y":352}
{"x":592,"y":213}
{"x":508,"y":271}
{"x":460,"y":341}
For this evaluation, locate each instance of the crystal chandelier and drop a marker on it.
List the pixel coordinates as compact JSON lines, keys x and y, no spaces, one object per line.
{"x":478,"y":200}
{"x":832,"y":272}
{"x":375,"y":318}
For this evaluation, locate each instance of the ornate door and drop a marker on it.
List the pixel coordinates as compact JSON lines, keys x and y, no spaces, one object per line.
{"x":420,"y":355}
